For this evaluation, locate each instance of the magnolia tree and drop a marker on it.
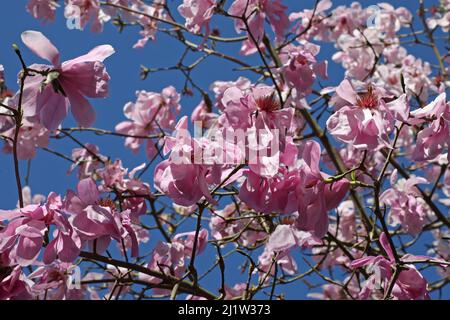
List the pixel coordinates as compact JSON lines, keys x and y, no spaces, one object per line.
{"x":335,"y":186}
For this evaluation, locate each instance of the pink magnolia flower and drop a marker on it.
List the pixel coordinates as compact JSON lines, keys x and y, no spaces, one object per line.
{"x":410,"y":284}
{"x":42,"y":9}
{"x":301,"y":68}
{"x":315,"y":196}
{"x":169,"y":259}
{"x":187,"y":239}
{"x":86,"y":11}
{"x":348,"y":229}
{"x":365,"y":119}
{"x":236,"y":291}
{"x":333,"y":291}
{"x":311,"y":18}
{"x":66,"y":243}
{"x":151,"y":113}
{"x":85,"y":160}
{"x":223,"y":225}
{"x":32,"y":135}
{"x":115,"y":178}
{"x":203,"y":114}
{"x":287,"y":236}
{"x":97,"y":220}
{"x":219,"y":88}
{"x":15,"y":286}
{"x":23,"y":237}
{"x":182,"y":177}
{"x":407,"y":206}
{"x":258,"y":114}
{"x":432,"y":140}
{"x":441,"y":17}
{"x":150,"y":26}
{"x":256,"y":12}
{"x":65,"y":84}
{"x":54,"y":282}
{"x":197,"y":14}
{"x":283,"y":259}
{"x":276,"y":193}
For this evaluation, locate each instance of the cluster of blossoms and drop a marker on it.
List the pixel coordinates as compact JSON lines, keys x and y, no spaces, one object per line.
{"x":352,"y":174}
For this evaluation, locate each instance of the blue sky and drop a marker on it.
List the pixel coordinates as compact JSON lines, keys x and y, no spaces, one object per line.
{"x":48,"y":173}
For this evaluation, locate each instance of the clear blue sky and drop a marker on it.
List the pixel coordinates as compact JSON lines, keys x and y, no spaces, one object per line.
{"x":48,"y":173}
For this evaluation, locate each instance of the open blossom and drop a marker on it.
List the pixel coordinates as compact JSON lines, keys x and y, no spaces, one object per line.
{"x":86,"y":11}
{"x":223,"y":225}
{"x":301,"y":68}
{"x":300,"y":186}
{"x":283,"y":259}
{"x":67,"y":83}
{"x":150,"y":26}
{"x":256,"y":12}
{"x":172,"y":258}
{"x":310,"y":18}
{"x":432,"y":140}
{"x":115,"y":178}
{"x":31,"y":137}
{"x":42,"y":9}
{"x":203,"y":115}
{"x":441,"y":17}
{"x":410,"y":284}
{"x":23,"y":237}
{"x":197,"y":13}
{"x":96,"y":220}
{"x":258,"y":113}
{"x":15,"y":286}
{"x":287,"y":236}
{"x":193,"y":165}
{"x":407,"y":206}
{"x":151,"y":113}
{"x":219,"y":88}
{"x":365,"y":119}
{"x":85,"y":160}
{"x":55,"y":282}
{"x":415,"y":72}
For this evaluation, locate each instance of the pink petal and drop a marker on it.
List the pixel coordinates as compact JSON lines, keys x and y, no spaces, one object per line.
{"x":87,"y":191}
{"x":82,"y":110}
{"x":41,"y":46}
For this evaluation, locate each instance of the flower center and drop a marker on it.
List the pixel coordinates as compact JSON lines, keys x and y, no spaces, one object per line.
{"x":268,"y":103}
{"x":106,"y":202}
{"x":368,"y":100}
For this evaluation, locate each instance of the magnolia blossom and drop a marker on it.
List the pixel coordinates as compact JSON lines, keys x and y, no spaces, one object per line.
{"x":67,"y":83}
{"x":42,"y":9}
{"x":86,"y":11}
{"x":301,"y":68}
{"x":410,"y":284}
{"x":96,"y":220}
{"x":54,"y":282}
{"x":407,"y":206}
{"x":193,"y":165}
{"x":171,"y":258}
{"x":197,"y":14}
{"x":365,"y":119}
{"x":87,"y":160}
{"x":15,"y":286}
{"x":227,"y":223}
{"x":151,"y":113}
{"x":256,"y":12}
{"x":432,"y":140}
